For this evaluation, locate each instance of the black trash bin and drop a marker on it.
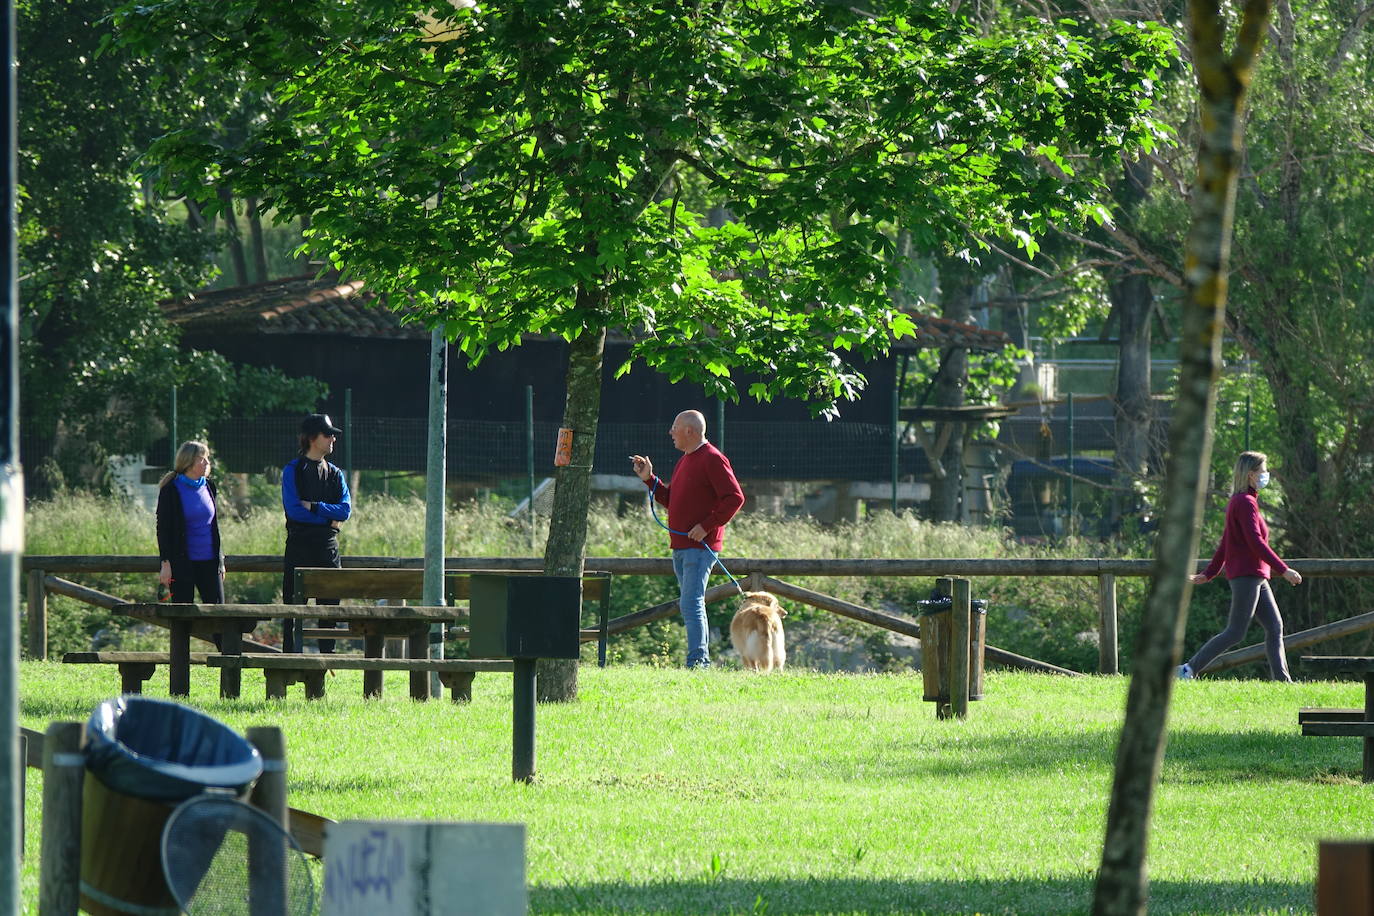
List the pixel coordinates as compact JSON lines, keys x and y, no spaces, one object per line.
{"x":143,"y":756}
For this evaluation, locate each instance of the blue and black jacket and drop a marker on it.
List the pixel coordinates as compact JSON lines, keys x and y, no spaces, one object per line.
{"x":301,"y":480}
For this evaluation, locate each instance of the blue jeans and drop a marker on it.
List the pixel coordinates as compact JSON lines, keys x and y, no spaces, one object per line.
{"x":692,"y":567}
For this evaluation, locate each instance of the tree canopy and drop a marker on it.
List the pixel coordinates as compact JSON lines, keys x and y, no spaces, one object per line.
{"x":515,"y":168}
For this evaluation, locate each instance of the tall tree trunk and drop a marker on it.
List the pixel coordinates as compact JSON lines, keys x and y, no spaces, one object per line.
{"x":956,"y":293}
{"x":1121,"y":888}
{"x":255,"y":238}
{"x":1132,"y":298}
{"x":1133,"y":302}
{"x":567,"y":541}
{"x":231,"y":225}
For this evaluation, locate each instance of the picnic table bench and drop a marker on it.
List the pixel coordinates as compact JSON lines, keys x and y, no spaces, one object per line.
{"x":399,"y":620}
{"x":373,"y":622}
{"x":282,"y":670}
{"x":407,"y":584}
{"x":1336,"y":722}
{"x":134,"y":667}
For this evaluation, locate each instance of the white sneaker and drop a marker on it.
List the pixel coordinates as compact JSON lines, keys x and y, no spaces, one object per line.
{"x":1185,"y":672}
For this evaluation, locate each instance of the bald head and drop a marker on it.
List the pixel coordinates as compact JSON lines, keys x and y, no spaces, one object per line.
{"x":688,"y":430}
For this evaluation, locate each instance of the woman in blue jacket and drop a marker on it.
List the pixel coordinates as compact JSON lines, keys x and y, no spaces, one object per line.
{"x":188,"y":529}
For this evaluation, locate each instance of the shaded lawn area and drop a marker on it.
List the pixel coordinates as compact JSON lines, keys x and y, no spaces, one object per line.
{"x":721,"y":792}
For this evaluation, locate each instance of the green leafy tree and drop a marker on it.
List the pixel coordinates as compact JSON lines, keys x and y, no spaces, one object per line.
{"x":517,"y":168}
{"x":99,"y":249}
{"x":1300,"y":308}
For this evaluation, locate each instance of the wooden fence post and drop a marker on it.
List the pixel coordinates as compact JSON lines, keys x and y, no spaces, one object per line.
{"x":37,"y":617}
{"x":959,"y":625}
{"x":1345,"y":878}
{"x":269,"y":894}
{"x":64,"y":769}
{"x":1107,"y":660}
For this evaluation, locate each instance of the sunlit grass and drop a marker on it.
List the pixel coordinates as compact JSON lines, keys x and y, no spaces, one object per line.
{"x":671,"y":792}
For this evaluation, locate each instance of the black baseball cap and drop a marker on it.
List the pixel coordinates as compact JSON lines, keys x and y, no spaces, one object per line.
{"x":318,"y":423}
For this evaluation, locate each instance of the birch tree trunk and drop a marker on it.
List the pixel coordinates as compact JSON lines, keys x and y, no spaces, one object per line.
{"x":1223,"y":80}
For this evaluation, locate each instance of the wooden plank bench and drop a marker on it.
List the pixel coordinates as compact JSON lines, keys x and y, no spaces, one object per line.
{"x":135,"y":668}
{"x":411,"y":621}
{"x":1329,"y":714}
{"x":365,"y":583}
{"x":1347,"y":723}
{"x":282,"y":670}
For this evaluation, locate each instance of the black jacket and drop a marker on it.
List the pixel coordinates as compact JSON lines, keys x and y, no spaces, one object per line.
{"x":171,"y":524}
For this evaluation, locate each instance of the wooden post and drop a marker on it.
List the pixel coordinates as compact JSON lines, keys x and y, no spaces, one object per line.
{"x":230,"y":676}
{"x":1107,"y":662}
{"x":23,"y":789}
{"x":269,"y":795}
{"x":1345,"y":878}
{"x":374,"y":646}
{"x":37,"y":618}
{"x":64,"y":770}
{"x":1369,"y":717}
{"x":959,"y":648}
{"x":936,"y":644}
{"x":179,"y":658}
{"x":417,"y":646}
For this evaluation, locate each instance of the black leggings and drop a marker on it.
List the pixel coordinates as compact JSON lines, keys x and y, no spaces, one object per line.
{"x":190,"y":576}
{"x":309,"y":551}
{"x":1251,"y":597}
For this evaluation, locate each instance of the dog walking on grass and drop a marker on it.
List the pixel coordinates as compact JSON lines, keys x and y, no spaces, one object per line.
{"x":756,"y":632}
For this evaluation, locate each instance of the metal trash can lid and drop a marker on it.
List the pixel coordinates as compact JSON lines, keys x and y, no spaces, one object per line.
{"x":164,"y":751}
{"x":942,"y":604}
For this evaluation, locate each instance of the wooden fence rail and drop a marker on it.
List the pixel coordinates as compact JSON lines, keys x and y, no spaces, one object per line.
{"x":1105,"y":570}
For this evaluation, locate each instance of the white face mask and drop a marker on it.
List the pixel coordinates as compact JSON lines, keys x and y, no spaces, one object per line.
{"x":1262,"y":480}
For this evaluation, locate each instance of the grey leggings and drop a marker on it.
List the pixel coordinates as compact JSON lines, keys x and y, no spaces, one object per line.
{"x":1250,"y":597}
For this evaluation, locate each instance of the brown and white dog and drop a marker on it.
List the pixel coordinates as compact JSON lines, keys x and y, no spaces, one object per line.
{"x":756,"y":632}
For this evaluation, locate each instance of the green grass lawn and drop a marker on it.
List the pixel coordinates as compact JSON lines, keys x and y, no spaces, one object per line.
{"x":669,"y":792}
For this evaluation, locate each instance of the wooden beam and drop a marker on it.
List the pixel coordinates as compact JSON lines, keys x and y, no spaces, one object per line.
{"x":843,"y":608}
{"x":773,"y":566}
{"x":1296,"y":640}
{"x":666,"y":609}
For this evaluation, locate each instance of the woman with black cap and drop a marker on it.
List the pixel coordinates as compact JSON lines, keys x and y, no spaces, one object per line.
{"x":314,"y":496}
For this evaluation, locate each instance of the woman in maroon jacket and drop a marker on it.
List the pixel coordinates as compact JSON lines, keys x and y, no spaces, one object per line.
{"x":1244,"y":553}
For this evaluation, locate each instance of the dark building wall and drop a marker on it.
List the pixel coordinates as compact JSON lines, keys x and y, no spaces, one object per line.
{"x":390,"y":378}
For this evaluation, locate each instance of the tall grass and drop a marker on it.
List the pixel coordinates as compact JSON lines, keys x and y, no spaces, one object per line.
{"x":674,"y":792}
{"x":1052,"y":619}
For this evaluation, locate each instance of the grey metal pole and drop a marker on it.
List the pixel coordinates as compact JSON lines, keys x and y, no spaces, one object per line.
{"x":1070,"y":437}
{"x":522,"y":720}
{"x":11,"y":497}
{"x":436,"y":469}
{"x":529,"y":455}
{"x":896,"y":404}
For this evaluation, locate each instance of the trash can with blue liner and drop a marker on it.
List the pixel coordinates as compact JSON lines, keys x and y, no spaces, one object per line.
{"x":143,"y":756}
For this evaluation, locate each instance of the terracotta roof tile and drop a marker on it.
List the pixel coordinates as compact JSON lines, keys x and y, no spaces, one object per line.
{"x":324,"y":305}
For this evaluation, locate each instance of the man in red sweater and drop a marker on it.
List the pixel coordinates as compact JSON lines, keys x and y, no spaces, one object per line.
{"x":703,"y":496}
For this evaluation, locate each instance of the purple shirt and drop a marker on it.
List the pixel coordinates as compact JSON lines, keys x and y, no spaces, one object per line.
{"x":199,"y":510}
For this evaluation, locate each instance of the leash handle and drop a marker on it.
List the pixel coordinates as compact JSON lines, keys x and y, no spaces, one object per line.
{"x":715,"y":557}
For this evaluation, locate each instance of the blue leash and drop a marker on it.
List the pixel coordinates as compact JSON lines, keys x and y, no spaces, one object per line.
{"x":715,"y":557}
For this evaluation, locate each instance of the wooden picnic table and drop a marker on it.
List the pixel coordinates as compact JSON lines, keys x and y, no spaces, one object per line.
{"x":1344,"y":722}
{"x":412,"y":622}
